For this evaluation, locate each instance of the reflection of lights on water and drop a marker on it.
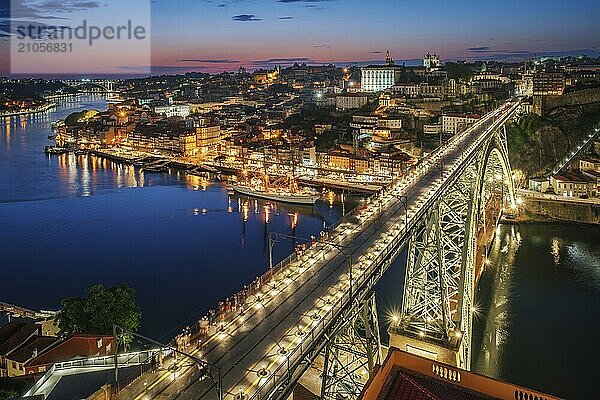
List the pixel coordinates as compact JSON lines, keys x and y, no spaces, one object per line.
{"x":245,"y":211}
{"x":293,"y":219}
{"x":331,"y":199}
{"x":555,"y":250}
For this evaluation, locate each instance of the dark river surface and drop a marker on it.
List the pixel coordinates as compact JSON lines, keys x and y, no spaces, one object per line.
{"x":68,"y":222}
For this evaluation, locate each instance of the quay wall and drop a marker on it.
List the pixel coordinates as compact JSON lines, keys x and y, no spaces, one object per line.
{"x":543,"y":104}
{"x":548,"y":210}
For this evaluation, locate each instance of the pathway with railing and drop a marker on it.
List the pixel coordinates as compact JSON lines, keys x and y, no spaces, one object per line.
{"x":287,"y":313}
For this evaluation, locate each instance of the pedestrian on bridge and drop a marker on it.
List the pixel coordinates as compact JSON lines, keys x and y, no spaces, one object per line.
{"x":203,"y":325}
{"x":212,"y":318}
{"x":221,"y":310}
{"x":153,"y":363}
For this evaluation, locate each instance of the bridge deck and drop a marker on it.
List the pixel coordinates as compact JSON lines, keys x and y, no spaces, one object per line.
{"x":281,"y":315}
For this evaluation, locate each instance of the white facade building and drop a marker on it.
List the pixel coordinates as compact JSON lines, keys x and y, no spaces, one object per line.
{"x":376,"y":78}
{"x":347,"y":101}
{"x":454,"y":123}
{"x":431,"y":61}
{"x":175,"y":110}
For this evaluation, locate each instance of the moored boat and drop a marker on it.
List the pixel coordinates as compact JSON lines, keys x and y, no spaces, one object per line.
{"x":275,"y":195}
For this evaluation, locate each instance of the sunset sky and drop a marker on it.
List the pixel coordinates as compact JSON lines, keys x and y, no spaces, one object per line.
{"x":217,"y":35}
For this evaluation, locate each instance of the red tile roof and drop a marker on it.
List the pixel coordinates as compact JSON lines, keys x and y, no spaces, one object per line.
{"x":15,"y":333}
{"x":74,"y":347}
{"x":25,"y":352}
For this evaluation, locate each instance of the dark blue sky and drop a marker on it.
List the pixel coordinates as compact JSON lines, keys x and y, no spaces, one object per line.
{"x":216,"y":35}
{"x":253,"y":32}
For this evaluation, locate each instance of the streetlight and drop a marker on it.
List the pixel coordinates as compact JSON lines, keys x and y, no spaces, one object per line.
{"x":274,"y":237}
{"x":404,"y":201}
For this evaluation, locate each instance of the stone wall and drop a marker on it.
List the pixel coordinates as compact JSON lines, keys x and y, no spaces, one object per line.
{"x":543,"y":104}
{"x":565,"y":211}
{"x":104,"y":393}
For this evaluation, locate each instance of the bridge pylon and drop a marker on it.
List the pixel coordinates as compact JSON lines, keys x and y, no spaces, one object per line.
{"x":352,"y":352}
{"x":445,"y":249}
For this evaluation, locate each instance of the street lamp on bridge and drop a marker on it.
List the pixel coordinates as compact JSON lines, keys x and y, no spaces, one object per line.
{"x":274,"y":237}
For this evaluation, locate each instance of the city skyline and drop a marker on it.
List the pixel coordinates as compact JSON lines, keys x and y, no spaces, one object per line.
{"x":216,"y":36}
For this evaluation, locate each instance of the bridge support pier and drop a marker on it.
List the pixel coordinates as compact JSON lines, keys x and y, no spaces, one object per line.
{"x":351,"y":352}
{"x":438,"y":302}
{"x":447,"y":353}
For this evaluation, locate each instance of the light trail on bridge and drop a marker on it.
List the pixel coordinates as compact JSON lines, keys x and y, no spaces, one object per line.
{"x":293,"y":311}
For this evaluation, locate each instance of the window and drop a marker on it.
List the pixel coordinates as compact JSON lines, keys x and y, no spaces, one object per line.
{"x":42,"y":369}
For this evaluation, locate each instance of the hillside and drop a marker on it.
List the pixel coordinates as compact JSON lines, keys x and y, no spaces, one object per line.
{"x":536,"y":144}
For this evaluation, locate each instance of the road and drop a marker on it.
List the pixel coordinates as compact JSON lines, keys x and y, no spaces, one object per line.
{"x":293,"y":310}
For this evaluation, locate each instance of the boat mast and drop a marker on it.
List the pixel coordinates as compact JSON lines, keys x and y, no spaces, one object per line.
{"x":266,"y":176}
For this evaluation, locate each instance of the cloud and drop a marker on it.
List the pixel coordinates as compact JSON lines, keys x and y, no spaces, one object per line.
{"x":228,"y":3}
{"x":285,"y":60}
{"x":271,"y":62}
{"x":302,"y":1}
{"x":479,"y":49}
{"x":210,"y":61}
{"x":246,"y":18}
{"x":376,"y":52}
{"x":320,"y":46}
{"x":67,"y":6}
{"x":488,"y":50}
{"x":285,"y":18}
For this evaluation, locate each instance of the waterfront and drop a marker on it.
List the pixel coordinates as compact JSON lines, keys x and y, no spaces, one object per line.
{"x":538,"y":309}
{"x":181,"y":241}
{"x":71,"y":221}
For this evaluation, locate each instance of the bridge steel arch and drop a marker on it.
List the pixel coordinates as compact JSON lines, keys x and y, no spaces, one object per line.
{"x":438,"y":301}
{"x":104,"y":85}
{"x":440,"y":229}
{"x":436,"y":319}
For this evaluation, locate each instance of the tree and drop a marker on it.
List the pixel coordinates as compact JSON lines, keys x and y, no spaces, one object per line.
{"x":99,"y":310}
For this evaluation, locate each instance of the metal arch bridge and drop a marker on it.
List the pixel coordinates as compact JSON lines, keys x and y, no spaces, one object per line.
{"x":322,"y":302}
{"x":104,"y":85}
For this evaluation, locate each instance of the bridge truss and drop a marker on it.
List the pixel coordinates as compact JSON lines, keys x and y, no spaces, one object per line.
{"x":439,"y":288}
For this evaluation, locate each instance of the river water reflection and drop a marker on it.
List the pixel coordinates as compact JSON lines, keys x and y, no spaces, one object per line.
{"x":183,"y":242}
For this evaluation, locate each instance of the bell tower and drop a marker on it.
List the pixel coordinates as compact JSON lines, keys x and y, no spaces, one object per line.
{"x":388,"y":59}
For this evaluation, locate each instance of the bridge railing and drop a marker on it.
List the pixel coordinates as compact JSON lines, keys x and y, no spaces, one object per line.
{"x":370,"y":223}
{"x":315,"y":331}
{"x":221,"y":315}
{"x":367,"y":266}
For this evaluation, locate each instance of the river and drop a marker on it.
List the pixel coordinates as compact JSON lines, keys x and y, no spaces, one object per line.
{"x":183,"y":242}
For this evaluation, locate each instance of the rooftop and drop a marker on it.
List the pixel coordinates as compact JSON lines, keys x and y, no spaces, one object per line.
{"x":410,"y":377}
{"x":572,"y":176}
{"x":35,"y":343}
{"x":73,"y":347}
{"x":15,"y":333}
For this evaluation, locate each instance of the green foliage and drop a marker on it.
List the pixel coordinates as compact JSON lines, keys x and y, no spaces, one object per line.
{"x":550,"y":190}
{"x":536,"y":144}
{"x":99,"y":310}
{"x":74,"y":117}
{"x":458,"y":71}
{"x":308,"y":117}
{"x":6,"y":394}
{"x":329,"y":139}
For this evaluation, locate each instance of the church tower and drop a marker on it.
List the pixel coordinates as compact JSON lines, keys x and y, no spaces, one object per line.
{"x":388,"y":59}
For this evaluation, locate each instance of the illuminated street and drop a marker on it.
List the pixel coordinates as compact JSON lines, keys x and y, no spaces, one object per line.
{"x":291,"y":310}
